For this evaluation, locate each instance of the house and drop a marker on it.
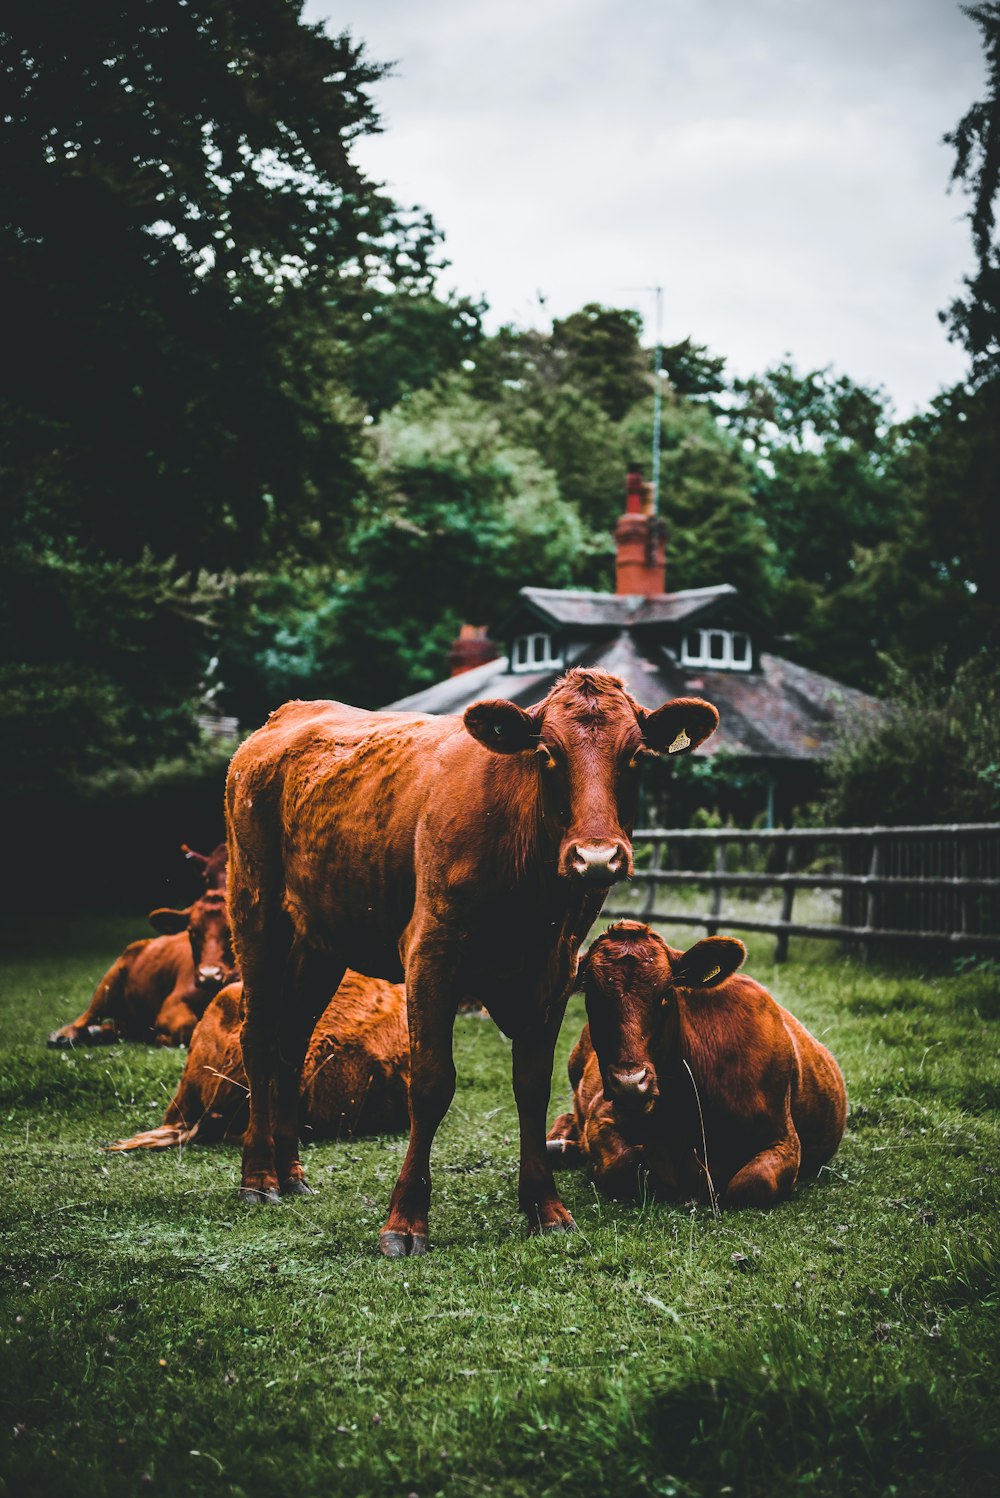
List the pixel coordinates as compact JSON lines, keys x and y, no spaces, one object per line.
{"x":776,"y":718}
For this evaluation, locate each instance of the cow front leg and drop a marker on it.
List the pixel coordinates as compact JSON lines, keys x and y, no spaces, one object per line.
{"x":614,"y":1166}
{"x":176,"y":1021}
{"x":532,"y":1077}
{"x":772,"y":1172}
{"x":766,"y":1179}
{"x":97,"y":1024}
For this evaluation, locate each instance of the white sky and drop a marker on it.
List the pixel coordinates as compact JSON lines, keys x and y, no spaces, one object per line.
{"x":775,"y":165}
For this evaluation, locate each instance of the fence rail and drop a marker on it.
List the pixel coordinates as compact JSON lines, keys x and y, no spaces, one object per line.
{"x":937,"y":884}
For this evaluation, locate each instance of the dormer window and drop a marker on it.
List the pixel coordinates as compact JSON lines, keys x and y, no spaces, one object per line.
{"x":723,"y":649}
{"x":534,"y":653}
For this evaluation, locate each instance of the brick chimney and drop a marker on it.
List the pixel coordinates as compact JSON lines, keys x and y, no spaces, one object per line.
{"x":473,"y":647}
{"x":640,"y":558}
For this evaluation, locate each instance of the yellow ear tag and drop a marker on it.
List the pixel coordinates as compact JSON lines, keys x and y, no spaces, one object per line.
{"x":680,"y":742}
{"x":713,"y":974}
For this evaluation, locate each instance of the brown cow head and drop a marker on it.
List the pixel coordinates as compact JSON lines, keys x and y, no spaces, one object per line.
{"x":588,"y":737}
{"x":207,"y":925}
{"x":630,"y":977}
{"x":214,"y":866}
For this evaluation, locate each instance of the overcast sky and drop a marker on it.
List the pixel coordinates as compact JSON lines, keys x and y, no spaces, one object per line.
{"x":775,"y":165}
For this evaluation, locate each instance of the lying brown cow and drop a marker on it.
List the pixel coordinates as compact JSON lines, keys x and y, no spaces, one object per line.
{"x":692,"y":1081}
{"x":158,"y":988}
{"x":354,"y":1080}
{"x":470,"y":855}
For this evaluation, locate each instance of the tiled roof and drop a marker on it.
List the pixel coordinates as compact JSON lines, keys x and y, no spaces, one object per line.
{"x":569,"y":606}
{"x":781,"y":711}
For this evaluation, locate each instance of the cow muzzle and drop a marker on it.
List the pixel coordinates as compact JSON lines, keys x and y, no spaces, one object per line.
{"x":209,"y":976}
{"x":597,"y":863}
{"x":632,"y":1089}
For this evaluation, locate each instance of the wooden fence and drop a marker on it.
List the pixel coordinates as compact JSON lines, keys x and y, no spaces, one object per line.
{"x":897,"y":884}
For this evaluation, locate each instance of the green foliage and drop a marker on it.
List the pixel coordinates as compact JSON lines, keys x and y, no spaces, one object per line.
{"x":69,"y":708}
{"x":974,"y":320}
{"x":934,"y":757}
{"x":825,"y":486}
{"x":599,"y":352}
{"x":843,"y":1343}
{"x":458,"y":520}
{"x":396,"y":343}
{"x":179,"y":201}
{"x":454,"y":518}
{"x":204,"y":293}
{"x":694,"y":372}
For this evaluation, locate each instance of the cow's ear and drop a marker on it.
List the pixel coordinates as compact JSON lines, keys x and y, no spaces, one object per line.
{"x":169,"y":922}
{"x":501,"y":726}
{"x":189,"y":853}
{"x":678,"y":726}
{"x":709,"y":962}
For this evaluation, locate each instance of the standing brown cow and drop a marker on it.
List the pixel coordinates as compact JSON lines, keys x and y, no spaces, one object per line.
{"x":353,"y":1082}
{"x":692,"y":1079}
{"x":471,"y":855}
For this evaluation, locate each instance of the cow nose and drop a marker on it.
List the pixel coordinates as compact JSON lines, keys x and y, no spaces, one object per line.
{"x":600,"y":863}
{"x":207,"y":975}
{"x":634,"y":1087}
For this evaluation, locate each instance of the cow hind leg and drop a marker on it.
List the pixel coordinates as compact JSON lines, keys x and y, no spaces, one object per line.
{"x":563,"y":1144}
{"x":311,"y":982}
{"x":264,"y":945}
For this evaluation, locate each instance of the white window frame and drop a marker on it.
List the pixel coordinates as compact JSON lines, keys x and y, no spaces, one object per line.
{"x":534,"y":652}
{"x":697,"y":644}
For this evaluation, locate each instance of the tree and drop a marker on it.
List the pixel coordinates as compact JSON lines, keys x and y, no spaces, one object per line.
{"x":933,"y":757}
{"x":974,"y":320}
{"x":453,"y":520}
{"x":197,"y":277}
{"x":825,"y":481}
{"x":181,"y":211}
{"x":68,"y":707}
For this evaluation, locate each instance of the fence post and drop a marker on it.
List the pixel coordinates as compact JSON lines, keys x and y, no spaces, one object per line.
{"x":871,"y":907}
{"x":787,"y":896}
{"x":965,"y":897}
{"x":654,"y":868}
{"x":712,"y":927}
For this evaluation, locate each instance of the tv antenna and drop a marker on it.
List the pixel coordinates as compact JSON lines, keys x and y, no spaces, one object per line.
{"x":657,"y":391}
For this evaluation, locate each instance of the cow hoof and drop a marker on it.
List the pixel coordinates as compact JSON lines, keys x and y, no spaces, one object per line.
{"x":543,"y":1229}
{"x":58,"y":1041}
{"x":258,"y":1198}
{"x":101,"y":1034}
{"x":297,"y":1188}
{"x":402,"y":1245}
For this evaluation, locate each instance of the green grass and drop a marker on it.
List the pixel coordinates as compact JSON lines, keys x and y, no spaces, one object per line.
{"x":159,"y":1337}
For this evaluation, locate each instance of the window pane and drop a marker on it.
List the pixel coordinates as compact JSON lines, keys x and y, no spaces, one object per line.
{"x":741,"y":650}
{"x":716,"y":645}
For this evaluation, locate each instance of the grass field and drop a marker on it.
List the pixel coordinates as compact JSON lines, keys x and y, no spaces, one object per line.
{"x":159,"y":1337}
